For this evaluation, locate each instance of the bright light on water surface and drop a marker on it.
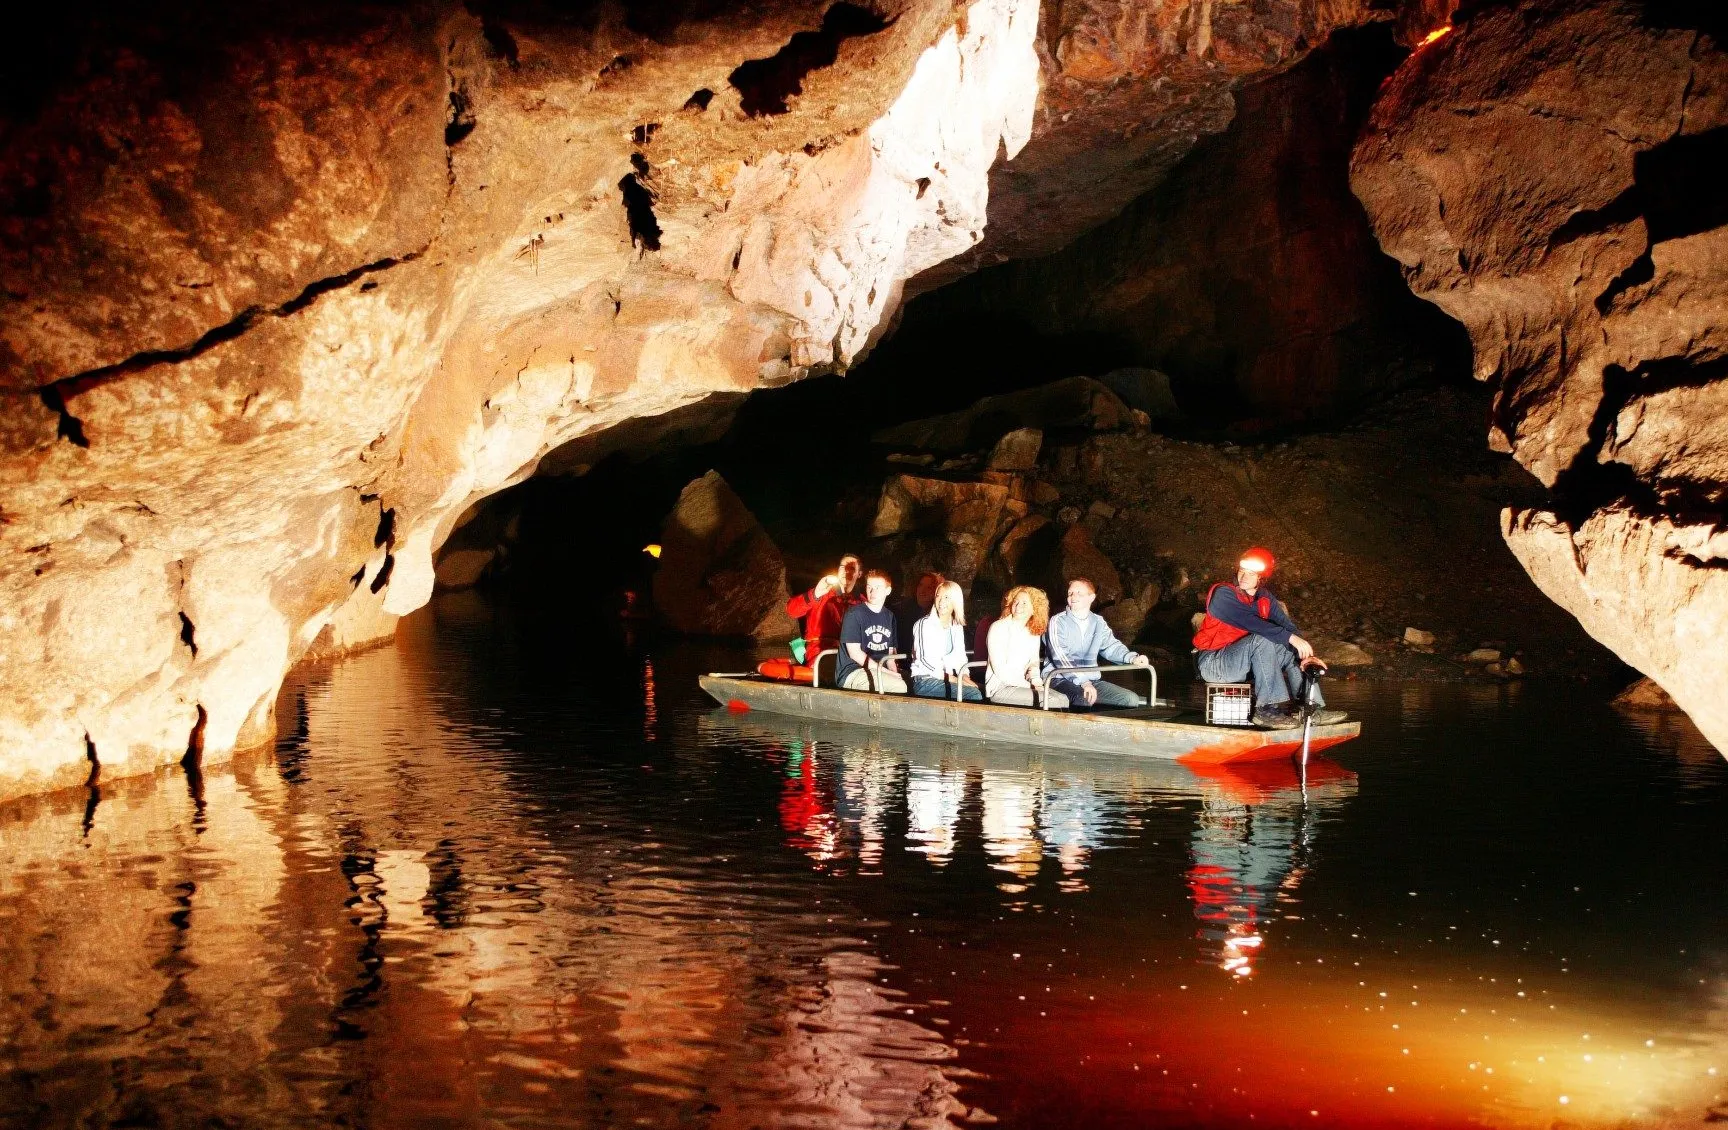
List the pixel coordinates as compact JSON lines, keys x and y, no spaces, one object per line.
{"x":486,"y":877}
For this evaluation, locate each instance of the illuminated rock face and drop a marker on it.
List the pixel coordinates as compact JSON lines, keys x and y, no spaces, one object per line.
{"x":1551,"y":176}
{"x":269,"y":328}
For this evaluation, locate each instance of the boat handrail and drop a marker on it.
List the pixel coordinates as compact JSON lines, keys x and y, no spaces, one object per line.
{"x":960,"y":687}
{"x":875,"y":671}
{"x":816,"y":665}
{"x":1151,"y":675}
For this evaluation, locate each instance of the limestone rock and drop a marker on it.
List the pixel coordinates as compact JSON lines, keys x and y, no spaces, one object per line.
{"x":1416,"y":637}
{"x":359,"y":274}
{"x":1144,"y":390}
{"x":1645,"y":694}
{"x":1076,"y":402}
{"x":1483,"y":655}
{"x":720,"y":574}
{"x":1654,"y":592}
{"x":463,"y":567}
{"x":1541,"y":175}
{"x":1021,"y":538}
{"x":1128,"y":615}
{"x":910,"y":504}
{"x":1078,"y":557}
{"x":1341,"y":653}
{"x":1017,"y":450}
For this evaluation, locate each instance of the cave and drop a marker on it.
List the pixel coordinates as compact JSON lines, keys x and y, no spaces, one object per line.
{"x":384,"y":386}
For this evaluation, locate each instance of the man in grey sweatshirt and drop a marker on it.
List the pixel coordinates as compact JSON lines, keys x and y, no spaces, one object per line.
{"x":1076,"y":638}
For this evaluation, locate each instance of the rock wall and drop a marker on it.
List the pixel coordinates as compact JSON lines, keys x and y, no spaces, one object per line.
{"x":1551,"y":175}
{"x":284,"y":294}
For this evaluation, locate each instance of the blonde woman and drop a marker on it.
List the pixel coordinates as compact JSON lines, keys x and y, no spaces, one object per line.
{"x":939,"y":647}
{"x":1015,"y":674}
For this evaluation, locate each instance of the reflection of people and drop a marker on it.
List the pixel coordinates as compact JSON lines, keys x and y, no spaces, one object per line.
{"x":824,"y":607}
{"x":1079,"y":639}
{"x":939,"y":647}
{"x":806,"y":814}
{"x":1015,"y":674}
{"x":1243,"y":858}
{"x":1248,"y":635}
{"x":867,"y":640}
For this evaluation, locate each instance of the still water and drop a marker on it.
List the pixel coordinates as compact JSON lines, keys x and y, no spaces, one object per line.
{"x":489,"y":877}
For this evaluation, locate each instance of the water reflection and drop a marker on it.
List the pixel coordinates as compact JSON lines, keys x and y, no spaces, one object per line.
{"x":488,"y":878}
{"x":1252,"y":825}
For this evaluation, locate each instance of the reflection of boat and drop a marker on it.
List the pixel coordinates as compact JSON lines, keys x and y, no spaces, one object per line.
{"x":1248,"y":845}
{"x":1153,"y":732}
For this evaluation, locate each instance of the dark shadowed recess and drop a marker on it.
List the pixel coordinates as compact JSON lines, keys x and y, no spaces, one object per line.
{"x":1250,"y":276}
{"x":764,"y":85}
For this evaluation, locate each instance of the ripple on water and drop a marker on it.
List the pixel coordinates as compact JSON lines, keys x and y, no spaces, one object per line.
{"x":484,"y":879}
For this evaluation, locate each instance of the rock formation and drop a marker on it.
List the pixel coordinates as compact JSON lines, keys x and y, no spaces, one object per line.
{"x":1551,"y":175}
{"x":284,"y":296}
{"x":1250,"y":275}
{"x":720,"y":573}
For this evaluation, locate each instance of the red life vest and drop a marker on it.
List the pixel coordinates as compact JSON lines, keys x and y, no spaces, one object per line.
{"x":1215,"y":633}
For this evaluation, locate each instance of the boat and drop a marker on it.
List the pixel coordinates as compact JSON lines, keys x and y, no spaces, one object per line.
{"x":1160,"y":731}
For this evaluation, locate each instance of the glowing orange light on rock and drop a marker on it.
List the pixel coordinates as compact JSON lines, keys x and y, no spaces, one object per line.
{"x":652,"y":550}
{"x":1435,"y":36}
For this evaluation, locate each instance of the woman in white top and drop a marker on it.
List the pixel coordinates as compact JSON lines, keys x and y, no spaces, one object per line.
{"x":1015,"y":674}
{"x":939,"y":648}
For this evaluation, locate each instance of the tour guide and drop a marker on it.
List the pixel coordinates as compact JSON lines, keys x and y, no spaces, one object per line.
{"x":867,"y":638}
{"x":1248,"y":633}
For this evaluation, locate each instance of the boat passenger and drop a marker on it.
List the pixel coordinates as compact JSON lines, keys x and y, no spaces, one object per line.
{"x":909,"y":609}
{"x":1015,"y":676}
{"x":1247,"y":636}
{"x":1077,"y":638}
{"x":867,"y":640}
{"x":824,"y":607}
{"x":939,"y":647}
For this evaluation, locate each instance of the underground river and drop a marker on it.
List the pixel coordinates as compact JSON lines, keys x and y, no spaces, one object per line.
{"x":489,"y":876}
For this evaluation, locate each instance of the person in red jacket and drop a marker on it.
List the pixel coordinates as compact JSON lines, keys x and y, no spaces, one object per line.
{"x":824,"y":607}
{"x":1248,"y":636}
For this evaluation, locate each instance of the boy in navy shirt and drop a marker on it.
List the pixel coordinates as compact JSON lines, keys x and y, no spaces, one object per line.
{"x":867,"y":638}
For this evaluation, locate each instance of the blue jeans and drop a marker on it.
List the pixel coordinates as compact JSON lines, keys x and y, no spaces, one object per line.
{"x":1109,"y":694}
{"x":926,"y":687}
{"x":1272,"y":667}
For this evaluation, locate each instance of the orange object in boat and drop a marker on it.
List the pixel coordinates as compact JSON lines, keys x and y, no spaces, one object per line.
{"x":784,"y":670}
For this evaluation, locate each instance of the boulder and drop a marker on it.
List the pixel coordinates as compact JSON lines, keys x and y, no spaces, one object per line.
{"x":1483,"y":655}
{"x":1341,"y":653}
{"x":1128,"y":615}
{"x":1645,"y":694}
{"x":1078,"y":557}
{"x":1076,"y":402}
{"x":1416,"y":637}
{"x":1144,"y":390}
{"x":463,"y":567}
{"x":720,"y":574}
{"x":913,"y":505}
{"x":1017,"y":450}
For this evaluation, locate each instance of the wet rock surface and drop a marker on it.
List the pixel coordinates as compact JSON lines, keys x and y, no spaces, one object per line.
{"x":1549,"y":175}
{"x":720,"y":573}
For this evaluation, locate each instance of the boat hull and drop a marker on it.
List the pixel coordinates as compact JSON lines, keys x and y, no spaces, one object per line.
{"x":1191,"y":742}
